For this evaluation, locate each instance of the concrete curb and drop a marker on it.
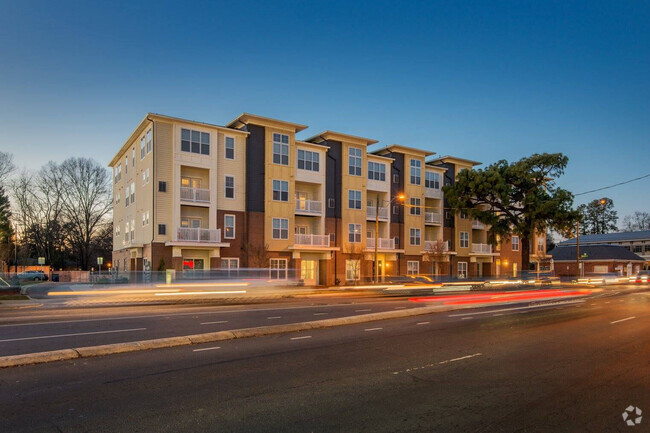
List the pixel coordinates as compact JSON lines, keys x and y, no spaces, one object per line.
{"x":159,"y":343}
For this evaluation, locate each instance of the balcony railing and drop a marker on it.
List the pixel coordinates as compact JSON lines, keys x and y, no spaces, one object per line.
{"x":482,"y":248}
{"x":198,"y":234}
{"x":477,"y":225}
{"x":432,"y":218}
{"x":309,"y":206}
{"x":371,"y":212}
{"x":313,"y":240}
{"x":195,"y":195}
{"x":384,"y":243}
{"x":433,"y":193}
{"x":441,"y":246}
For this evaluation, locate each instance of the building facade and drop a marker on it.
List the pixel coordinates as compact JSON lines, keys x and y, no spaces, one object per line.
{"x":636,"y":242}
{"x":191,"y":195}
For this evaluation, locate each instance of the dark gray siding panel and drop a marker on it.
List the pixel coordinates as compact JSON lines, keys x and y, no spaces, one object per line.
{"x":333,"y":182}
{"x":255,"y":163}
{"x":397,"y":188}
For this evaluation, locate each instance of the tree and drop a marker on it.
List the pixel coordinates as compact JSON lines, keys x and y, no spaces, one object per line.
{"x":257,"y":255}
{"x":636,"y":222}
{"x":516,"y":198}
{"x":6,"y":166}
{"x":435,"y":252}
{"x":6,"y":231}
{"x":597,"y":217}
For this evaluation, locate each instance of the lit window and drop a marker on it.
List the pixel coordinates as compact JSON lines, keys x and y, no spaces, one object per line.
{"x":352,"y":270}
{"x":229,"y":226}
{"x":354,"y":233}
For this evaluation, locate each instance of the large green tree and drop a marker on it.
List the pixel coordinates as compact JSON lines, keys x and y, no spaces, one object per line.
{"x":597,"y":217}
{"x":518,"y":198}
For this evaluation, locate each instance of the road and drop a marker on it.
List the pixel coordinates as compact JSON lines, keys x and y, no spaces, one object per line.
{"x":563,"y":367}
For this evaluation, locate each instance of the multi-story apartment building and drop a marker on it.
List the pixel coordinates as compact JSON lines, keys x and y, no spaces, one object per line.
{"x":192,"y":195}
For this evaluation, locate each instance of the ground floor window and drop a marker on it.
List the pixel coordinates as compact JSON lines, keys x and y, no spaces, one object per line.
{"x":412,"y":267}
{"x":462,"y":270}
{"x":229,"y":263}
{"x":352,"y":270}
{"x":193,"y":264}
{"x":278,"y":270}
{"x":308,"y":270}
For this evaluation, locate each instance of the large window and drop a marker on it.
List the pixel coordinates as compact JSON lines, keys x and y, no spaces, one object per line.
{"x":308,"y":160}
{"x":462,"y":270}
{"x":149,"y":140}
{"x":412,"y":267}
{"x":540,"y":245}
{"x":376,"y":171}
{"x":229,"y":148}
{"x":464,"y":239}
{"x":515,"y":243}
{"x":354,"y":199}
{"x":416,"y":206}
{"x":143,"y":149}
{"x":230,"y":187}
{"x":280,"y":228}
{"x":354,"y":233}
{"x":432,"y":180}
{"x":280,"y":190}
{"x":354,"y":161}
{"x":280,"y":149}
{"x":195,"y":141}
{"x":414,"y":236}
{"x":416,"y":171}
{"x":352,"y":270}
{"x":229,"y":263}
{"x":278,"y":269}
{"x":229,"y":226}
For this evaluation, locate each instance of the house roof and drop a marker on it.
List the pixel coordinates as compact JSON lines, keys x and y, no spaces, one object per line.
{"x":610,"y":237}
{"x":398,"y":148}
{"x":340,"y":136}
{"x":594,"y":253}
{"x":245,"y":118}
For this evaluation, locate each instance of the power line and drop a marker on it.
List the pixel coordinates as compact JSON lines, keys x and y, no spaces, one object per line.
{"x":616,"y":184}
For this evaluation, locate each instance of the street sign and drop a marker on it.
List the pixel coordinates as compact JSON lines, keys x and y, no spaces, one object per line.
{"x":100,"y":260}
{"x":41,"y":261}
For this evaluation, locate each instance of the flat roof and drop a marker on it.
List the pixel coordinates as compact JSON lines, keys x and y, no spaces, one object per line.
{"x":340,"y":136}
{"x":643,"y":235}
{"x":245,"y":118}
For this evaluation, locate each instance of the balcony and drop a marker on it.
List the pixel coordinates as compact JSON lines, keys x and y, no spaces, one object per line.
{"x":371,"y":213}
{"x":189,"y":234}
{"x":477,"y":225}
{"x":384,"y":243}
{"x":309,"y":207}
{"x":433,"y":193}
{"x":436,"y":246}
{"x":312,"y":240}
{"x":195,"y":195}
{"x":481,"y":249}
{"x":432,"y":218}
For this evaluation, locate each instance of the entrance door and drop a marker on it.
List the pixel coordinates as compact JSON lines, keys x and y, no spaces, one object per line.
{"x":309,"y":272}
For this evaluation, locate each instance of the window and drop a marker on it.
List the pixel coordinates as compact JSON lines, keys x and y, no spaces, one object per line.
{"x":126,"y":164}
{"x":229,"y":263}
{"x":462,"y":270}
{"x":132,"y":192}
{"x":149,"y":140}
{"x":162,"y":186}
{"x":301,"y":230}
{"x":162,"y":229}
{"x":396,"y":178}
{"x":145,"y":218}
{"x":230,"y":187}
{"x":432,"y":180}
{"x":412,"y":267}
{"x":195,"y":141}
{"x":280,"y":149}
{"x":354,"y":199}
{"x":638,"y":248}
{"x":464,"y":239}
{"x":354,"y":233}
{"x":463,"y":215}
{"x":117,"y":231}
{"x":376,"y":171}
{"x":142,"y":148}
{"x":126,"y":232}
{"x":193,"y":223}
{"x":395,"y":209}
{"x":118,"y":173}
{"x":133,"y":157}
{"x":280,"y":228}
{"x":416,"y":171}
{"x":515,"y":243}
{"x":230,"y":148}
{"x":354,"y":161}
{"x":352,"y":270}
{"x":280,"y":190}
{"x":415,"y":206}
{"x":229,"y":226}
{"x":278,"y":270}
{"x":117,"y":198}
{"x":414,"y":238}
{"x":145,"y":176}
{"x":540,"y":245}
{"x":308,"y":160}
{"x":132,"y":230}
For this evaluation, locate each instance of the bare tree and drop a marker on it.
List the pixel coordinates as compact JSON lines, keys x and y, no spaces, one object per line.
{"x":257,"y":255}
{"x":636,"y":222}
{"x":356,"y":256}
{"x":6,"y":166}
{"x":435,"y":252}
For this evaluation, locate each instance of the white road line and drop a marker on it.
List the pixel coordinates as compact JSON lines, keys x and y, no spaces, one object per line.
{"x":372,"y":329}
{"x":274,"y":317}
{"x":400,"y":308}
{"x":301,"y":338}
{"x":498,"y":314}
{"x":514,"y":309}
{"x":466,"y":318}
{"x":71,"y":335}
{"x":206,"y":348}
{"x":320,"y":314}
{"x":622,"y":320}
{"x":359,"y":311}
{"x":213,"y":323}
{"x":423,"y":323}
{"x":434,"y":364}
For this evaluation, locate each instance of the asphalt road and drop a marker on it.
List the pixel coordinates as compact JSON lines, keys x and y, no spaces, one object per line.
{"x":563,"y":367}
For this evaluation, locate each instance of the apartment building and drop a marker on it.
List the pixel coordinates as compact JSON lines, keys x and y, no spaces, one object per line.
{"x":192,"y":195}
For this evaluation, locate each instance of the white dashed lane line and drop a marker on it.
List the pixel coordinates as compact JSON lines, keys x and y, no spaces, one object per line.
{"x":206,"y":348}
{"x":466,"y":318}
{"x":622,"y":320}
{"x":320,"y":314}
{"x":274,"y":317}
{"x":372,"y":329}
{"x":423,"y":323}
{"x":408,"y":370}
{"x":360,"y":311}
{"x":214,"y":323}
{"x":301,"y":338}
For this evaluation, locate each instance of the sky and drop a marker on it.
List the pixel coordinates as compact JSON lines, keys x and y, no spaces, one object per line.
{"x":474,"y":79}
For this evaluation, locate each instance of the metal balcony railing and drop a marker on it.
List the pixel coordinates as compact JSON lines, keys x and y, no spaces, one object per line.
{"x":442,"y":246}
{"x":432,"y":218}
{"x":198,"y":234}
{"x":384,"y":243}
{"x":482,"y":248}
{"x":371,"y":212}
{"x":195,"y":195}
{"x":313,"y":240}
{"x":309,"y":206}
{"x":476,"y":224}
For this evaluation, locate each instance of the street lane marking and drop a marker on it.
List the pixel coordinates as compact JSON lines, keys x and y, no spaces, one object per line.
{"x":359,"y":311}
{"x":71,"y":335}
{"x":400,"y":308}
{"x":498,"y":314}
{"x":206,"y":348}
{"x":423,"y":323}
{"x":434,"y":364}
{"x":372,"y":329}
{"x":513,"y":309}
{"x":622,"y":320}
{"x":213,"y":323}
{"x":274,"y":317}
{"x":320,"y":314}
{"x":301,"y":338}
{"x":466,"y":318}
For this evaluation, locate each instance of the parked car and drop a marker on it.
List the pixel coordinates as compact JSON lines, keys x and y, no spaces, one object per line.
{"x":607,"y":278}
{"x":32,"y":276}
{"x":641,"y":277}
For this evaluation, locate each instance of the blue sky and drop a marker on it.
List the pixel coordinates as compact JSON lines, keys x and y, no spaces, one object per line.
{"x":480,"y":80}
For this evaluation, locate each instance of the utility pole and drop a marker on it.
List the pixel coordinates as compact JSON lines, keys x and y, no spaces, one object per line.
{"x":578,"y":247}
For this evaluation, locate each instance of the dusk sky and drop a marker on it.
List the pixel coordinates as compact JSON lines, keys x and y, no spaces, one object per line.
{"x":479,"y":80}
